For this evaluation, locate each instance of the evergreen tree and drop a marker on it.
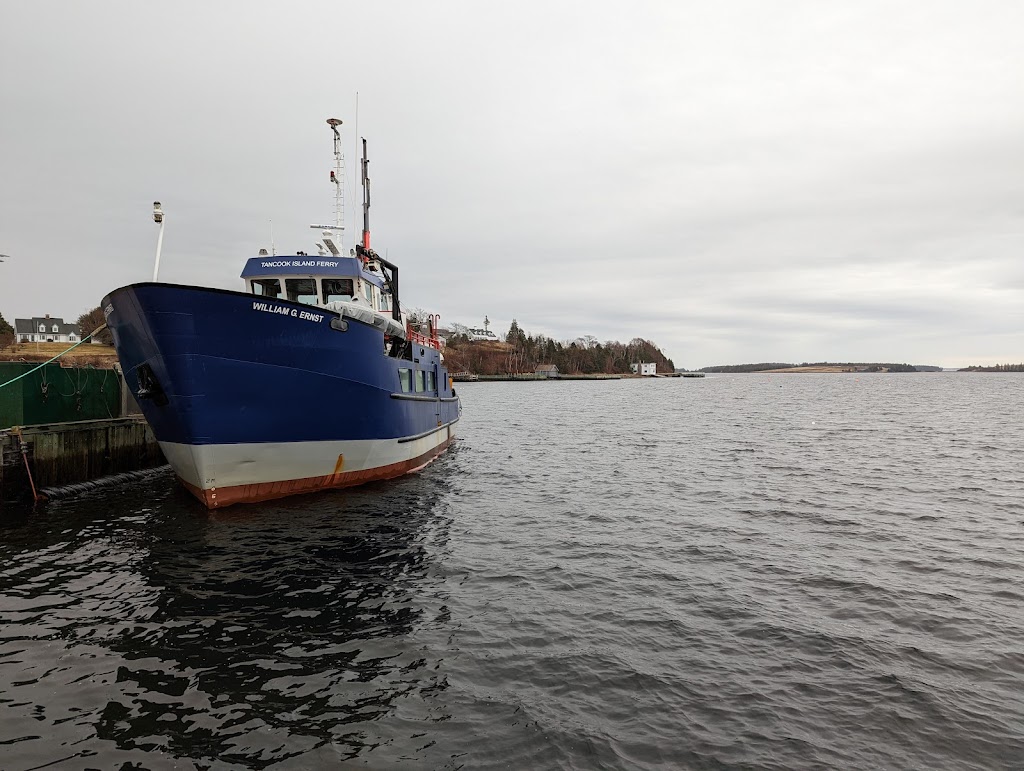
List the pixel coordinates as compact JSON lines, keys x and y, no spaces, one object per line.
{"x":516,"y":336}
{"x":6,"y":332}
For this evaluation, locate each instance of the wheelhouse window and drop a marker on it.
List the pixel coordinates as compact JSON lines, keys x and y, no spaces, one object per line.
{"x":301,"y":290}
{"x":368,"y":293}
{"x":420,"y":381}
{"x":266,"y":287}
{"x":431,"y":382}
{"x":405,"y":376}
{"x":335,"y":289}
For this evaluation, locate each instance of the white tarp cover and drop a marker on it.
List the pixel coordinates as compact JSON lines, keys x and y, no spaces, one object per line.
{"x":361,"y":313}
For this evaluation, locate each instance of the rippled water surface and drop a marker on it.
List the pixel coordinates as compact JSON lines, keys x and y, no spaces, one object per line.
{"x":760,"y":571}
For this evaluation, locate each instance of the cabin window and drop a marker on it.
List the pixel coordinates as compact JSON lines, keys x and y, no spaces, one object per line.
{"x":420,"y":381}
{"x":335,"y":289}
{"x":431,"y":381}
{"x":385,"y":302}
{"x":405,"y":375}
{"x":301,"y":290}
{"x":266,"y":287}
{"x":368,"y":293}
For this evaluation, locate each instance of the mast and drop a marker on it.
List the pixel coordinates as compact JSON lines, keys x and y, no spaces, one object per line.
{"x":333,"y":236}
{"x":366,"y":199}
{"x":389,"y":269}
{"x":338,"y":177}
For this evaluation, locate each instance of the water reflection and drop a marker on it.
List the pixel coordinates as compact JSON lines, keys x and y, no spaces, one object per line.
{"x":251,"y":635}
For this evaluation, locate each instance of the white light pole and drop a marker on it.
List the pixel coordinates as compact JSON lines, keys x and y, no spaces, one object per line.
{"x":158,"y":217}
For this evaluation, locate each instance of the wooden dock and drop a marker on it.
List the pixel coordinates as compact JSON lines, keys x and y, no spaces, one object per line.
{"x":52,"y":455}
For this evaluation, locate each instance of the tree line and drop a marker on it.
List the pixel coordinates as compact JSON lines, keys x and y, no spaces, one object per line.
{"x":995,"y":368}
{"x":524,"y":352}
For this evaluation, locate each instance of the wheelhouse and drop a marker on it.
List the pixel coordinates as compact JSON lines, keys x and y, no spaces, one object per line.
{"x":320,"y":281}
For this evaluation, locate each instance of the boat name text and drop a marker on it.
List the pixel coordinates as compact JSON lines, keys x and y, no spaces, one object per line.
{"x":295,"y":313}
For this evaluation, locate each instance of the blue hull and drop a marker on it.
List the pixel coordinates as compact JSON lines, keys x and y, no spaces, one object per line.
{"x":214,"y":367}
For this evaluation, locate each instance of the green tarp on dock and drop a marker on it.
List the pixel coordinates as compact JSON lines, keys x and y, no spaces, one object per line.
{"x":55,"y":394}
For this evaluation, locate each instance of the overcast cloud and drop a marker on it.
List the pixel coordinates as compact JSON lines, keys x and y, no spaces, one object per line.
{"x":736,"y":181}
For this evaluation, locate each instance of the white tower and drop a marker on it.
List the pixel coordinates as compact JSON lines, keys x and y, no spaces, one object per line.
{"x":333,"y":236}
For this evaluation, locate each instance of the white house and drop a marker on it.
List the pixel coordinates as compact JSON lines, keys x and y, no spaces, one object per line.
{"x":644,"y":368}
{"x":44,"y":329}
{"x":483,"y":335}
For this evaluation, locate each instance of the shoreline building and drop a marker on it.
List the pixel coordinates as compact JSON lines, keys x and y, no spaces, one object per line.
{"x":547,"y":370}
{"x":44,"y":329}
{"x":644,"y":368}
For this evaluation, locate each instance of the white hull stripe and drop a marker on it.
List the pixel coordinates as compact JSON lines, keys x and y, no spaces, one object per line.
{"x":211,"y":466}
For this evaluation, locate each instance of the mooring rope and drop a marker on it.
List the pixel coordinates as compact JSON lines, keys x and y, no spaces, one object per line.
{"x":77,"y":488}
{"x":35,"y":369}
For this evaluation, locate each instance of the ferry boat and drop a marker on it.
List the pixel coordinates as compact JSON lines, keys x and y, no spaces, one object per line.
{"x":310,"y":378}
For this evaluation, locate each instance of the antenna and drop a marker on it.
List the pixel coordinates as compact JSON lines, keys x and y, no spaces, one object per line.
{"x":366,"y":199}
{"x":273,"y":252}
{"x":353,"y":170}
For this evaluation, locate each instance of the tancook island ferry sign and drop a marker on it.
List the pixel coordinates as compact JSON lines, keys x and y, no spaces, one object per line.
{"x":300,"y":264}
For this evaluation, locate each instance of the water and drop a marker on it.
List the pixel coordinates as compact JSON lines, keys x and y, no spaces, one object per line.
{"x":796,"y":571}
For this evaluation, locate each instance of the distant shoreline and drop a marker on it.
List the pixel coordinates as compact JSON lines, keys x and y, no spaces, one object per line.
{"x":828,"y":367}
{"x":838,"y":370}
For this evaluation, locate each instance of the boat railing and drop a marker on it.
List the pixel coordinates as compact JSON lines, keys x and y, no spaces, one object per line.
{"x":421,"y":339}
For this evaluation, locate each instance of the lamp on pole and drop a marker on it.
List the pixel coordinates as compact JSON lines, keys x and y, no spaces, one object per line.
{"x":158,"y":217}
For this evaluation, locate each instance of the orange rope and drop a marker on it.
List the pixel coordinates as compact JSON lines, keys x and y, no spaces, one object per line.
{"x":24,"y":456}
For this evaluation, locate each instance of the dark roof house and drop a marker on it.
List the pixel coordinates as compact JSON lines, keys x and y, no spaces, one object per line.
{"x":45,"y":329}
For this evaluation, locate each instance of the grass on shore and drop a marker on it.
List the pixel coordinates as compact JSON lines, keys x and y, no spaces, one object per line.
{"x":99,"y":356}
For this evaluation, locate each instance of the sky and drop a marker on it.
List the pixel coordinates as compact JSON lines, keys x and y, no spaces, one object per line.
{"x":738,"y":181}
